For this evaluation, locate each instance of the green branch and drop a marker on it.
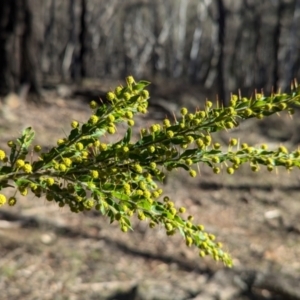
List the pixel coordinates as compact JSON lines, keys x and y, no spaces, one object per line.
{"x":119,"y":179}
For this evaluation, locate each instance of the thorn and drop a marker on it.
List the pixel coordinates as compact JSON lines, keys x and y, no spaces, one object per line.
{"x":174,"y":117}
{"x":295,"y":82}
{"x":238,"y":144}
{"x":198,"y":167}
{"x":279,"y":90}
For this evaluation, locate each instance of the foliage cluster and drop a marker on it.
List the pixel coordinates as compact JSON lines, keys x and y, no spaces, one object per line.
{"x":120,"y":179}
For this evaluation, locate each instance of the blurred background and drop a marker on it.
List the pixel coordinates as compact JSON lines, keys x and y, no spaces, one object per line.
{"x":221,"y":45}
{"x":55,"y":55}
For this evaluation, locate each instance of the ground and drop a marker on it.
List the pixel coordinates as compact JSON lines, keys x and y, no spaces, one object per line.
{"x":49,"y":253}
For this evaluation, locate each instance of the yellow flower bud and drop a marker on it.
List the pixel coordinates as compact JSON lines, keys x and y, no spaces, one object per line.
{"x":111,"y":130}
{"x":20,"y":163}
{"x":184,"y":111}
{"x":79,"y":146}
{"x":193,"y":173}
{"x":189,"y":241}
{"x":233,"y":142}
{"x":130,"y":122}
{"x":10,"y":144}
{"x":37,"y":148}
{"x":182,"y":210}
{"x":2,"y":200}
{"x":93,"y":105}
{"x":93,"y":119}
{"x":2,"y":155}
{"x":62,"y":167}
{"x":129,"y":80}
{"x":27,"y":168}
{"x":110,"y":96}
{"x":50,"y":181}
{"x":67,"y":161}
{"x":230,"y":170}
{"x":12,"y":201}
{"x":74,"y":124}
{"x":145,"y":94}
{"x":216,"y":170}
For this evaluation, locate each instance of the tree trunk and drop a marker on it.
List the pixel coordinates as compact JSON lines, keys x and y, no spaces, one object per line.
{"x":19,"y":48}
{"x":221,"y":40}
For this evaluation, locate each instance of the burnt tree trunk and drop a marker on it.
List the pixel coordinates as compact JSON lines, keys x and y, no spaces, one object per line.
{"x":19,"y":48}
{"x":221,"y":40}
{"x":276,"y":43}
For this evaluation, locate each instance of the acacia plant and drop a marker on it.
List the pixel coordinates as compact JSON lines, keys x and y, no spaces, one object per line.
{"x":120,"y":179}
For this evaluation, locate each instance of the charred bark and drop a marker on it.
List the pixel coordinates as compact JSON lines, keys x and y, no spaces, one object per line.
{"x":221,"y":40}
{"x":276,"y":41}
{"x":19,"y":48}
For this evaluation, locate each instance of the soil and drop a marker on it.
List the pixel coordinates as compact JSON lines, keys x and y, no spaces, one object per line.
{"x":49,"y":253}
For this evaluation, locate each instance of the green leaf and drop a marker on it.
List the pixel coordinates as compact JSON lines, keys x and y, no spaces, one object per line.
{"x":22,"y":182}
{"x":120,"y":195}
{"x":208,"y":162}
{"x":73,"y":134}
{"x":101,"y":110}
{"x":145,"y":140}
{"x":158,"y":208}
{"x":84,"y":178}
{"x":178,"y":140}
{"x":127,"y":222}
{"x":161,"y":176}
{"x":110,"y":202}
{"x":134,"y":99}
{"x":86,"y":142}
{"x":141,"y":85}
{"x":55,"y":188}
{"x":212,"y":152}
{"x":29,"y":134}
{"x":179,"y":220}
{"x":179,"y":165}
{"x":181,"y":231}
{"x":13,"y":153}
{"x":202,"y":236}
{"x":188,"y":153}
{"x":5,"y":185}
{"x":56,"y":197}
{"x":37,"y":164}
{"x":108,"y":187}
{"x":279,"y":98}
{"x":138,"y":156}
{"x":86,"y":127}
{"x":259,"y":103}
{"x":111,"y":215}
{"x":5,"y":170}
{"x":127,"y":136}
{"x":98,"y":132}
{"x":145,"y":204}
{"x":103,"y":209}
{"x":80,"y":191}
{"x":27,"y":137}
